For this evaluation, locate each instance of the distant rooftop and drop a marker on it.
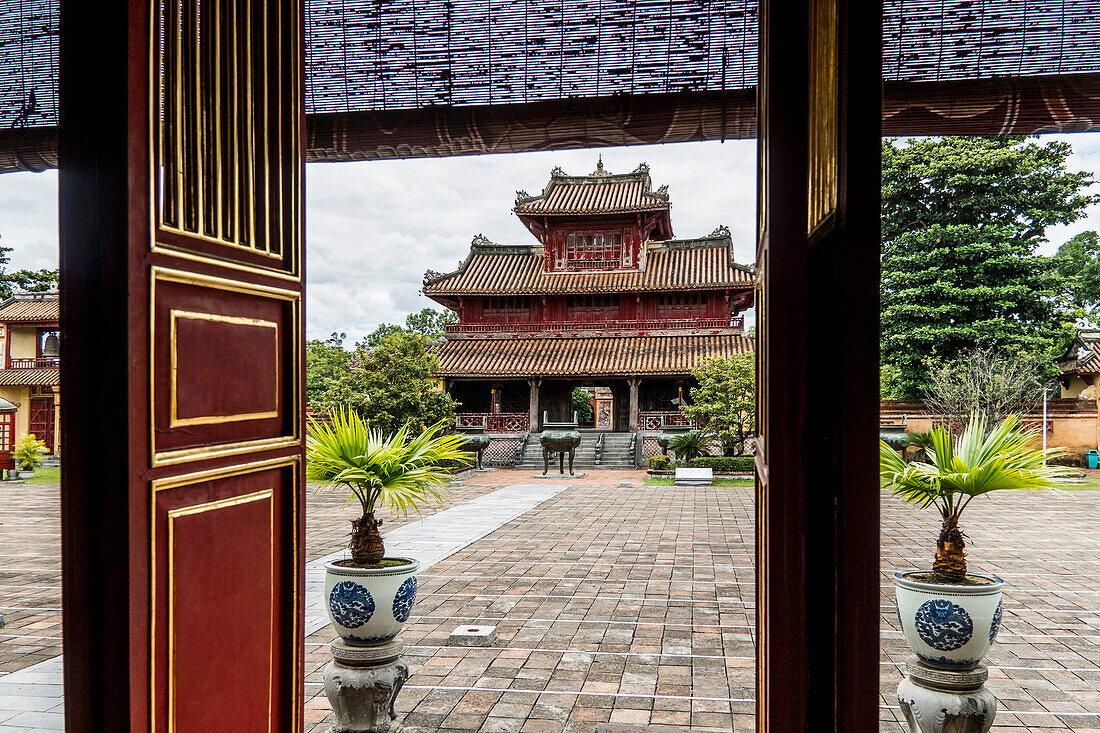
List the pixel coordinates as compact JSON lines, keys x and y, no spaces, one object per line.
{"x":599,"y":192}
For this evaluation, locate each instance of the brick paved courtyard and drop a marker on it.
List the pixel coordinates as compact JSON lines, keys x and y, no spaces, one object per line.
{"x":636,"y":606}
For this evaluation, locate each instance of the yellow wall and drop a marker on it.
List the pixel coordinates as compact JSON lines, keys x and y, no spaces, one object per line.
{"x":23,"y":343}
{"x":1077,"y":385}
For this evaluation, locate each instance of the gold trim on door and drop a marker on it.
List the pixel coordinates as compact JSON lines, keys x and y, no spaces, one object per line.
{"x":173,"y":346}
{"x":174,"y":514}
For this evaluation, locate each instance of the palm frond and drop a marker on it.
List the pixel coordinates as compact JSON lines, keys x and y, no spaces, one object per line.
{"x":396,"y":470}
{"x":973,"y":464}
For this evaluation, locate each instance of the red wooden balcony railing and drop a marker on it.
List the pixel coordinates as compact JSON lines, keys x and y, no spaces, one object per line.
{"x":494,"y":422}
{"x":661,"y":419}
{"x":33,"y":363}
{"x":737,"y":322}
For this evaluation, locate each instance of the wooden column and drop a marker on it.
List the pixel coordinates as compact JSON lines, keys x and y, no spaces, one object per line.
{"x":181,"y":210}
{"x":533,"y":385}
{"x":817,"y":486}
{"x":635,"y":383}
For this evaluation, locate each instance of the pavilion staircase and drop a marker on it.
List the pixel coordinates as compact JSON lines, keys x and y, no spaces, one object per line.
{"x":599,"y":449}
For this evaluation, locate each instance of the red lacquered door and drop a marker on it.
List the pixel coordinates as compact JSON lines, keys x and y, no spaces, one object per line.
{"x":181,"y":210}
{"x":41,"y":420}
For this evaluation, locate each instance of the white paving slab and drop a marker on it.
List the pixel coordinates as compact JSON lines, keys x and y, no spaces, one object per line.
{"x":31,"y":698}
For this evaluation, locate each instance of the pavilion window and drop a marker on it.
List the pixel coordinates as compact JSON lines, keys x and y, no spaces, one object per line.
{"x":506,"y":309}
{"x":592,"y":308}
{"x":594,"y":250}
{"x":681,"y":305}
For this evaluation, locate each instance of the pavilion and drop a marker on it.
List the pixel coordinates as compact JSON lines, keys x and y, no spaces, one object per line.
{"x":607,"y":299}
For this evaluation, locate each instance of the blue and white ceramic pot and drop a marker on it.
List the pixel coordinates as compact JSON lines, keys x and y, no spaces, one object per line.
{"x":370,"y":605}
{"x":949,"y":626}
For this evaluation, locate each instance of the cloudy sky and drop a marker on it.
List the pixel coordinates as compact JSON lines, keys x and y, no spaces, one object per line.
{"x":374,"y":228}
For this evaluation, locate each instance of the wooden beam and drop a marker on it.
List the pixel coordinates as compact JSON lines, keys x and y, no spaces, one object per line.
{"x":1018,"y":106}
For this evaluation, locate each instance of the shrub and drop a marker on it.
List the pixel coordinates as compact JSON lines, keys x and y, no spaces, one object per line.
{"x":727,"y":464}
{"x":659,"y":463}
{"x":1074,"y":460}
{"x":29,"y":452}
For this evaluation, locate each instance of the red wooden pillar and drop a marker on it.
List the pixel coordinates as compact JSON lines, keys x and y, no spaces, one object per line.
{"x":818,"y":491}
{"x":181,"y":284}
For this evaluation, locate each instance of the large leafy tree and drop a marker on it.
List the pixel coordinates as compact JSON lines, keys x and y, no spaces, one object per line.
{"x":961,"y":221}
{"x":428,"y":322}
{"x":390,"y":384}
{"x":1078,"y":264}
{"x":327,"y":366}
{"x":724,"y":402}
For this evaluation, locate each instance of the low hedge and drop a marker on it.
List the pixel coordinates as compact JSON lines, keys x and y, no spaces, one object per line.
{"x":659,"y":463}
{"x":726,"y":464}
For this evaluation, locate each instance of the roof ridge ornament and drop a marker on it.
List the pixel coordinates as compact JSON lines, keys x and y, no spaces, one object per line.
{"x":523,"y":197}
{"x":430,"y":275}
{"x":643,"y":167}
{"x":480,"y":240}
{"x":661,"y":192}
{"x":557,"y":172}
{"x":719,"y":231}
{"x":599,"y":168}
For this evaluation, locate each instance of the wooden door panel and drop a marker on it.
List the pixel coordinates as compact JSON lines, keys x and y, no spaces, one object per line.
{"x":181,"y":261}
{"x":225,"y":365}
{"x":225,"y":531}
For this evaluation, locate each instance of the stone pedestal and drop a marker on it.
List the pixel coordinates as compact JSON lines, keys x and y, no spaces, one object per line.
{"x":361,"y":684}
{"x":946,"y":700}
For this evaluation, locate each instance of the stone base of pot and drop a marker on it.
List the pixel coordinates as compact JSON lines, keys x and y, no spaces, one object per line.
{"x":361,"y":684}
{"x":935,"y":700}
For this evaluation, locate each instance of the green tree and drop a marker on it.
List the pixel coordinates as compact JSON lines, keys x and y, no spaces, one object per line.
{"x":582,"y":405}
{"x":389,"y":385}
{"x":428,"y":322}
{"x":1078,"y":264}
{"x":26,"y":279}
{"x":327,"y":365}
{"x":962,"y":218}
{"x":724,"y":402}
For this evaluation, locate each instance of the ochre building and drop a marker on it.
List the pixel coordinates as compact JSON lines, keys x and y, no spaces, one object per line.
{"x":605,"y":299}
{"x":30,"y":380}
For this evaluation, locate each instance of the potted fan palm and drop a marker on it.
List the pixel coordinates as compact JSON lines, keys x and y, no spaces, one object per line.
{"x":370,"y":596}
{"x":950,"y":616}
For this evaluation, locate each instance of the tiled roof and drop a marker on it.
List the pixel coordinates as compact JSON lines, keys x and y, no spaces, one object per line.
{"x":15,"y":310}
{"x":30,"y":377}
{"x":601,"y":192}
{"x":701,"y":264}
{"x":1084,"y":353}
{"x":583,"y":356}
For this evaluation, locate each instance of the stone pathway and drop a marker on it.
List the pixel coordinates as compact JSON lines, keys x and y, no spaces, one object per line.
{"x":622,"y":605}
{"x":30,"y":698}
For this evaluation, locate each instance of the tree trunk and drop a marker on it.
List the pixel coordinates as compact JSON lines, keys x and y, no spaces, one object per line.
{"x":950,"y":556}
{"x":366,"y":541}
